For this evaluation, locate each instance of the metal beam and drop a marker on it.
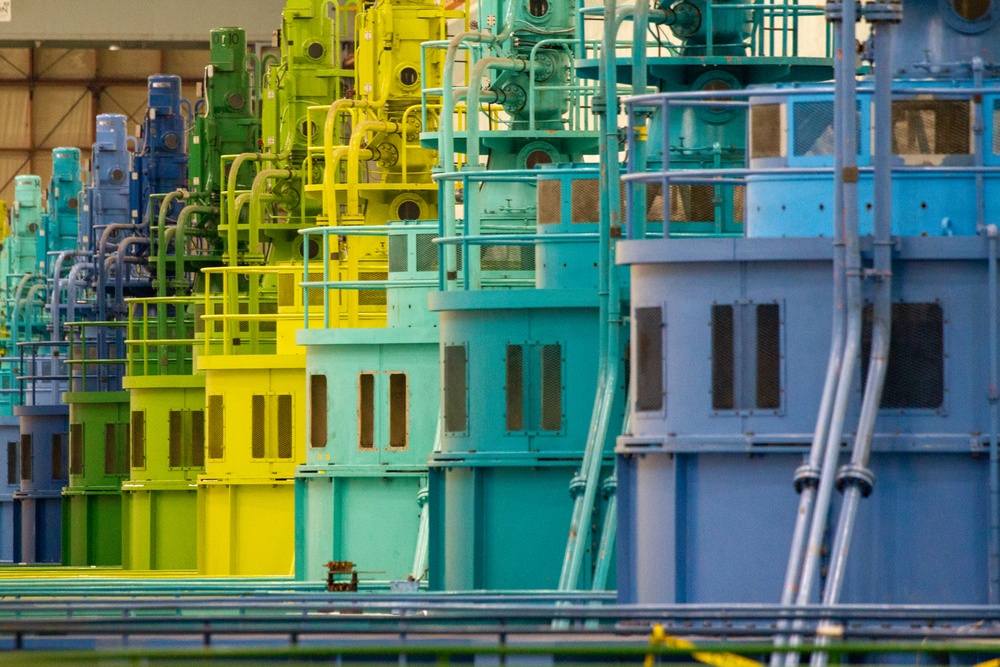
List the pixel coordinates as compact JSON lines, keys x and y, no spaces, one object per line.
{"x":135,"y":23}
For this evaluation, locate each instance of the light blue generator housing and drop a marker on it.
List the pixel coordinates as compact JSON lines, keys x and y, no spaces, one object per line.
{"x":873,"y":202}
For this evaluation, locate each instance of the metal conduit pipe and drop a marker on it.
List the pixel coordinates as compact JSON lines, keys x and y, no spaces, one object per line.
{"x":855,"y":480}
{"x":330,"y":158}
{"x":590,"y":472}
{"x":356,"y":154}
{"x":182,"y":221}
{"x":472,"y":105}
{"x":993,"y":393}
{"x":161,"y":227}
{"x":845,"y":95}
{"x":108,"y":230}
{"x":609,"y":305}
{"x":18,"y":298}
{"x":120,"y":260}
{"x":256,"y":210}
{"x":446,"y":145}
{"x":807,"y":476}
{"x":474,"y":99}
{"x":420,"y":558}
{"x":74,"y":282}
{"x":993,"y":236}
{"x":232,"y":199}
{"x":57,"y":268}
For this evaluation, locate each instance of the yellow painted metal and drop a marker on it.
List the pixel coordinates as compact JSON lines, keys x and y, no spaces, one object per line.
{"x":255,"y":421}
{"x":367,"y":161}
{"x":247,"y":527}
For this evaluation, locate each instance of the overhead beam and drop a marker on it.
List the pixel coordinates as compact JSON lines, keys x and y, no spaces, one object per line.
{"x":135,"y":23}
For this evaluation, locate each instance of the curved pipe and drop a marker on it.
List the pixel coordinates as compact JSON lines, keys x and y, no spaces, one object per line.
{"x":446,"y":145}
{"x":231,"y":212}
{"x":845,"y":96}
{"x":161,"y":227}
{"x":179,"y":250}
{"x":855,"y":480}
{"x":355,"y":154}
{"x":57,"y":268}
{"x":71,"y":289}
{"x":256,"y":210}
{"x":102,"y":246}
{"x":120,"y":260}
{"x":330,"y":153}
{"x":18,"y":298}
{"x":472,"y":105}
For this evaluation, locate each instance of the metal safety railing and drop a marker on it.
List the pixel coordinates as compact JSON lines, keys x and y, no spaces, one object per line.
{"x":464,"y":250}
{"x":162,"y":335}
{"x":319,"y":286}
{"x":95,"y":355}
{"x":774,"y":140}
{"x":244,"y":317}
{"x":764,"y":29}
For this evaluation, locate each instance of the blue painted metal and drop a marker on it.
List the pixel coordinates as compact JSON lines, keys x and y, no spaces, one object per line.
{"x":98,"y":405}
{"x":706,"y":513}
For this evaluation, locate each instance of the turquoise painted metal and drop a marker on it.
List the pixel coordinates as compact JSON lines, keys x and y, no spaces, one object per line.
{"x":61,"y":222}
{"x":517,"y":300}
{"x":41,"y":452}
{"x":373,"y":391}
{"x":10,"y":426}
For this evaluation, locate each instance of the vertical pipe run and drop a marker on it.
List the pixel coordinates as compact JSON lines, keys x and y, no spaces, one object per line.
{"x":994,"y":400}
{"x":855,"y":479}
{"x":807,"y":476}
{"x":845,"y":95}
{"x":609,"y":304}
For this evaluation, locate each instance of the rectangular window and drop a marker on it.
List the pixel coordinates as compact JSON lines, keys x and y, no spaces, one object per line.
{"x":455,"y":389}
{"x":398,"y":253}
{"x":11,"y":463}
{"x":768,"y":357}
{"x":76,"y":449}
{"x":138,"y":426}
{"x":372,"y":297}
{"x":746,"y":357}
{"x":649,"y":359}
{"x":197,"y":438}
{"x":176,"y":439}
{"x":366,"y":410}
{"x":514,"y":388}
{"x":317,"y":411}
{"x":216,"y":427}
{"x":284,"y":426}
{"x":931,"y":127}
{"x":26,"y":457}
{"x":258,"y":426}
{"x":398,"y":410}
{"x":116,"y":449}
{"x":427,"y":253}
{"x":723,"y":371}
{"x":552,"y":386}
{"x":915,"y":376}
{"x":58,"y":456}
{"x":814,"y":128}
{"x":766,"y":131}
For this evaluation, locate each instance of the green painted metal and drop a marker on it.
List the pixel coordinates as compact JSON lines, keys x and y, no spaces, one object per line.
{"x":92,"y":505}
{"x":166,"y":391}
